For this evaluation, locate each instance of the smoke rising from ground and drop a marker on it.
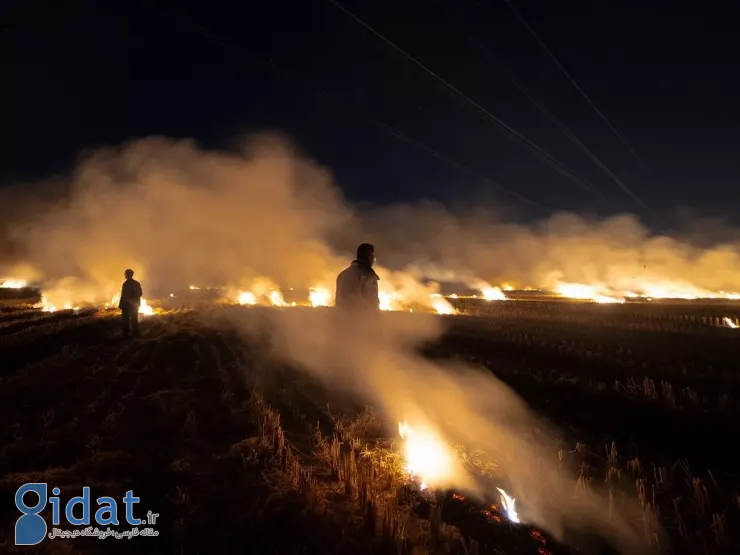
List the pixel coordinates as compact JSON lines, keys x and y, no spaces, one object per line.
{"x":180,"y":215}
{"x":618,"y":252}
{"x":374,"y":359}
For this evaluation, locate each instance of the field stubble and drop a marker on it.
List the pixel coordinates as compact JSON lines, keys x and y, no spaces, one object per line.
{"x":235,"y":451}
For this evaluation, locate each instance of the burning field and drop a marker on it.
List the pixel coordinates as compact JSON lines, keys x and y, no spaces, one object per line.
{"x":564,"y":387}
{"x":541,"y":428}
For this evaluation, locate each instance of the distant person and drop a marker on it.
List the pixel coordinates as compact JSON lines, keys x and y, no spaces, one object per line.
{"x":129,"y":304}
{"x":357,"y":286}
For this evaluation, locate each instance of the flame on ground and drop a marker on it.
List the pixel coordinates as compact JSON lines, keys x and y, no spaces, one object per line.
{"x":426,"y":456}
{"x":391,"y":301}
{"x":584,"y":292}
{"x":644,"y":289}
{"x":145,"y":309}
{"x":247,"y":298}
{"x":46,"y":306}
{"x":442,"y":305}
{"x":12,"y":283}
{"x":493,"y":294}
{"x":319,"y":296}
{"x":276,"y":298}
{"x":509,"y":505}
{"x":729,"y":323}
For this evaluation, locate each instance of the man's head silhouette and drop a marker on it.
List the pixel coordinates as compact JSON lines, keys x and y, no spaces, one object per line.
{"x":366,"y":254}
{"x":129,"y":274}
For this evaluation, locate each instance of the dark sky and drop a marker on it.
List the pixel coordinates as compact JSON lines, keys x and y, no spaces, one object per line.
{"x":81,"y":74}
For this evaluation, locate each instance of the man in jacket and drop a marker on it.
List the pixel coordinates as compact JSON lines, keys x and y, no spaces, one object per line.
{"x":129,"y":304}
{"x":357,"y":286}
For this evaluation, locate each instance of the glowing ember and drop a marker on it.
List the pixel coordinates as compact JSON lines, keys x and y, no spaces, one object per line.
{"x":319,"y":296}
{"x":426,"y":456}
{"x":509,"y":504}
{"x":247,"y":298}
{"x":442,"y":306}
{"x":12,"y":283}
{"x":193,"y":287}
{"x":276,"y":298}
{"x":729,"y":323}
{"x":493,"y":294}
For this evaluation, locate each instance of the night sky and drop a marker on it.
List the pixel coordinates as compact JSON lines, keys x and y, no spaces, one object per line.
{"x":82,"y":74}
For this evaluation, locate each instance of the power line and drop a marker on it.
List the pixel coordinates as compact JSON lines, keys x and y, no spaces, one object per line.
{"x":502,"y":126}
{"x":542,"y":108}
{"x":572,"y":81}
{"x":260,"y":60}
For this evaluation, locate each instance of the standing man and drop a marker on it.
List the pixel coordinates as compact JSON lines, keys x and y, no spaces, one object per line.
{"x":357,"y":286}
{"x":129,"y":304}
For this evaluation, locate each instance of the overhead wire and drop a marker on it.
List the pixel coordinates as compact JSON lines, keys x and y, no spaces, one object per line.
{"x":260,"y":60}
{"x":544,"y":110}
{"x":571,"y":79}
{"x":499,"y":124}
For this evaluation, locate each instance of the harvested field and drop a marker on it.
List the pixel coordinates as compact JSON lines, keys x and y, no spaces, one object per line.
{"x":239,"y":451}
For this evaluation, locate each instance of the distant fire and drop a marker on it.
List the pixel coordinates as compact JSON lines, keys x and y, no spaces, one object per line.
{"x":585,"y":292}
{"x":647,"y":290}
{"x":12,"y":283}
{"x":442,"y":305}
{"x":729,"y":323}
{"x":46,"y":306}
{"x":276,"y":298}
{"x":493,"y":294}
{"x":388,"y":300}
{"x":144,"y":308}
{"x":247,"y":298}
{"x":319,"y":296}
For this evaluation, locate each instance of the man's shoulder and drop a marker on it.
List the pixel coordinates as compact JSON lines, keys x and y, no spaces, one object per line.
{"x":364,"y":270}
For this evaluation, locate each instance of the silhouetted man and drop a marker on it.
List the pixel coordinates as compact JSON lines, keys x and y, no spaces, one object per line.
{"x":129,"y":304}
{"x":357,"y":286}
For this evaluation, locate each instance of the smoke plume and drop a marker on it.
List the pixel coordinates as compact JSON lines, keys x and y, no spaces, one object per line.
{"x":618,"y":253}
{"x":374,"y":360}
{"x":178,"y":215}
